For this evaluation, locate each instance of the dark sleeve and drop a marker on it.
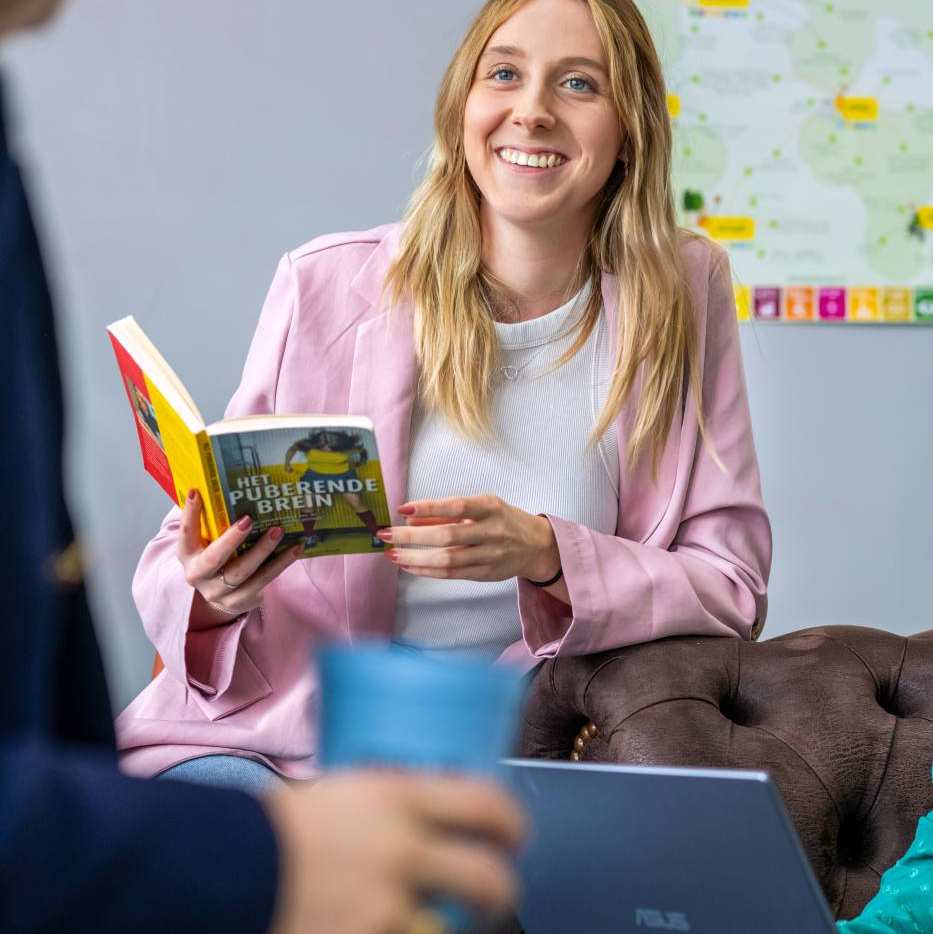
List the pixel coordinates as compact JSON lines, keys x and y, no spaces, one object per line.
{"x":85,"y":849}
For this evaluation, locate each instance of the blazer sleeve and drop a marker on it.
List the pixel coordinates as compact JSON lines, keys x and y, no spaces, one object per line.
{"x":214,"y":662}
{"x":712,"y":578}
{"x":89,"y":851}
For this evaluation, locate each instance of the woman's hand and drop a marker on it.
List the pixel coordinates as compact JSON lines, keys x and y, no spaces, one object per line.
{"x":227,"y":586}
{"x":477,"y":538}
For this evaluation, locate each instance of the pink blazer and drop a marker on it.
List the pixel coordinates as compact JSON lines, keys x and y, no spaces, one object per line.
{"x":691,"y":555}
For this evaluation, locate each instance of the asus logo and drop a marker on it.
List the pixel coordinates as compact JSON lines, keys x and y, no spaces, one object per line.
{"x":661,"y":920}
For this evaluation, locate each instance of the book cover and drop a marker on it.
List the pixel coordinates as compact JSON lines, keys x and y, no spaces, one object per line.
{"x":321,"y":484}
{"x":176,"y":456}
{"x":316,"y":476}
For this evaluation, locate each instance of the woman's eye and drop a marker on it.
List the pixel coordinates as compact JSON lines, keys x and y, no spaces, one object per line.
{"x":579,"y":84}
{"x":502,"y":71}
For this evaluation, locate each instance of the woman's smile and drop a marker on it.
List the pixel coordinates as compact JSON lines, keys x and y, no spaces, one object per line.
{"x":530,"y":162}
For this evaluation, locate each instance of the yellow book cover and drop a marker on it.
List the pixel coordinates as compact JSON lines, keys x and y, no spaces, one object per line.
{"x":316,"y":476}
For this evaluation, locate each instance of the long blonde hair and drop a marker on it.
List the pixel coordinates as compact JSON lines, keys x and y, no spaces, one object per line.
{"x":635,"y":237}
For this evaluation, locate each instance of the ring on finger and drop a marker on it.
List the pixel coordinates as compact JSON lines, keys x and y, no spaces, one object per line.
{"x":225,"y":582}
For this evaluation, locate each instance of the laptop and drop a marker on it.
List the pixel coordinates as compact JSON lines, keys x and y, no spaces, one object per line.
{"x":616,"y":848}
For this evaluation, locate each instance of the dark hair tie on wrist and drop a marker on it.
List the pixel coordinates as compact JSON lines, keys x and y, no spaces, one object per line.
{"x":553,"y":580}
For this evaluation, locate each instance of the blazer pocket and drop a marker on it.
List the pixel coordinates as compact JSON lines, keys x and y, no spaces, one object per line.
{"x":247,"y":685}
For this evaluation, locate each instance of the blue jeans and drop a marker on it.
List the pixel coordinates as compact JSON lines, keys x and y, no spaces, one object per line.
{"x":226,"y":772}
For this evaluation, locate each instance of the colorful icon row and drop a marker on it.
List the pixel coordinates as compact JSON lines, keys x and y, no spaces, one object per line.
{"x":812,"y":303}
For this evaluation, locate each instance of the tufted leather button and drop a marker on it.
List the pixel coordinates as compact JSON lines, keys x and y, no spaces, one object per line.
{"x":854,"y":844}
{"x":889,"y":703}
{"x":737,"y":709}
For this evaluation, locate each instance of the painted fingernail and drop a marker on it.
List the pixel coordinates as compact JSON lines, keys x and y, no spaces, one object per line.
{"x":384,"y":535}
{"x":298,"y":551}
{"x":406,"y":510}
{"x":192,"y":495}
{"x":276,"y":534}
{"x":392,"y":554}
{"x":244,"y":523}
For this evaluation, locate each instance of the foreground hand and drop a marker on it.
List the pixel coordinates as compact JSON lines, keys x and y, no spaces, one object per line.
{"x":478,"y":538}
{"x":227,"y":585}
{"x":361,"y":852}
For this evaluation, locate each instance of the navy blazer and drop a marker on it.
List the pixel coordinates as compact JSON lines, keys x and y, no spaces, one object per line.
{"x":83,"y":848}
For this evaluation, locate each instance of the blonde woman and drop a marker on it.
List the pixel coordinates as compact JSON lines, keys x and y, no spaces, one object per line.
{"x":554,"y":373}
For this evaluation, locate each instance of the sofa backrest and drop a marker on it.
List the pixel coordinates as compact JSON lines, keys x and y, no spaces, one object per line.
{"x":841,"y":717}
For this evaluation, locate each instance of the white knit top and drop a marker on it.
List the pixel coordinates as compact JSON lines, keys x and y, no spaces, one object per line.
{"x":538,"y":461}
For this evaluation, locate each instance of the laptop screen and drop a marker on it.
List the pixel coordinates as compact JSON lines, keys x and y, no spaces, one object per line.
{"x":644,"y":849}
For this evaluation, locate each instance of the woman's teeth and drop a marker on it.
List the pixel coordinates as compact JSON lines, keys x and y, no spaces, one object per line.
{"x":542,"y":160}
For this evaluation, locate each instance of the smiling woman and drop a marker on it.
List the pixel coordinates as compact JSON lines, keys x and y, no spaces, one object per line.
{"x":553,"y":371}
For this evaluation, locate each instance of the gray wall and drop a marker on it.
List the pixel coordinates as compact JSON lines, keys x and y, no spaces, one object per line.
{"x":176,"y":150}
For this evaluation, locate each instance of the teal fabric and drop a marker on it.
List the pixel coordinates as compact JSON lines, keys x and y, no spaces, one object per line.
{"x":904,"y":903}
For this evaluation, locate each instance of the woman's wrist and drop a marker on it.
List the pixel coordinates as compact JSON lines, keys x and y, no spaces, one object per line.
{"x":545,"y":565}
{"x":206,"y":615}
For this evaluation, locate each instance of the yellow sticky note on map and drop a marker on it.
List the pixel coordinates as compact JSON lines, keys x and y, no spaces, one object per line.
{"x":743,"y":302}
{"x":724,"y":4}
{"x":724,"y":227}
{"x":858,"y":109}
{"x":925,"y":216}
{"x":673,"y":105}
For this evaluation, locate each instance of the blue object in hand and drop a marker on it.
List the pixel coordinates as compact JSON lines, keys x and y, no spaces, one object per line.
{"x":386,"y":707}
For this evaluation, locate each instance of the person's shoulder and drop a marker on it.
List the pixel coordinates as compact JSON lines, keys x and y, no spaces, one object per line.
{"x":700,"y":255}
{"x":347,"y":250}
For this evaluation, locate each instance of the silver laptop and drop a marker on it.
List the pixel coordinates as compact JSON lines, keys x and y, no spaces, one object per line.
{"x":619,"y":848}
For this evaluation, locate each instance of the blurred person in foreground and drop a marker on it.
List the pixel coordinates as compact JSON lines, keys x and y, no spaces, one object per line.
{"x":83,"y":848}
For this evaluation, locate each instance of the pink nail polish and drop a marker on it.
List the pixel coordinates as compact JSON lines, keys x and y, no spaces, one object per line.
{"x":406,"y":510}
{"x":384,"y":535}
{"x":276,"y":534}
{"x":244,"y":523}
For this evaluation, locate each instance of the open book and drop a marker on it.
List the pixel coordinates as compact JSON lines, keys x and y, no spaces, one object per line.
{"x":315,"y":476}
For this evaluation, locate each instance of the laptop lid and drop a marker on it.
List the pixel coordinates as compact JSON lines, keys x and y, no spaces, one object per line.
{"x":642,"y":849}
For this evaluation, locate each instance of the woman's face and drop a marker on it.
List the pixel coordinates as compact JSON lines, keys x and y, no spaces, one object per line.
{"x":541,"y":94}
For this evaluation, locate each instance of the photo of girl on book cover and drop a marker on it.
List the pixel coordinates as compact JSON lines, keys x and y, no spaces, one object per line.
{"x":332,"y":455}
{"x":322,"y":485}
{"x":145,"y":413}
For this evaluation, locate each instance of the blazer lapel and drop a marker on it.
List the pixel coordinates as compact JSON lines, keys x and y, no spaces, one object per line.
{"x":642,"y":502}
{"x":382,"y":387}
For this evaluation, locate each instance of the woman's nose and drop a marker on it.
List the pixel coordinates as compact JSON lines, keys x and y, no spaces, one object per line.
{"x":531,"y":111}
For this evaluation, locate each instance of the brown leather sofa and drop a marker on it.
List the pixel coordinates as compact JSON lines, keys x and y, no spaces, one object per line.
{"x":842,"y":718}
